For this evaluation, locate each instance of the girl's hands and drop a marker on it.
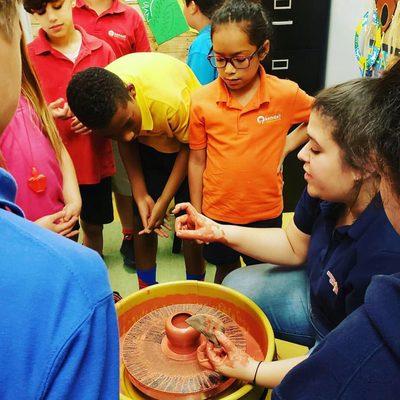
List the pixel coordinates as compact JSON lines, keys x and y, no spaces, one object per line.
{"x":72,"y":210}
{"x":55,"y":223}
{"x":227,"y":360}
{"x":196,"y":226}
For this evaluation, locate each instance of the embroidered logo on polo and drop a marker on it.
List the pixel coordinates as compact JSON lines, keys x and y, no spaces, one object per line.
{"x":264,"y":119}
{"x":333,"y":282}
{"x":116,"y":35}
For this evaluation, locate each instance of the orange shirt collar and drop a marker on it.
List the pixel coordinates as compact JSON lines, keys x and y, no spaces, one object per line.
{"x":263,"y":94}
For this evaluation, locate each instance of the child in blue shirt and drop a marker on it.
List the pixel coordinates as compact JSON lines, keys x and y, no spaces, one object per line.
{"x":198,"y":15}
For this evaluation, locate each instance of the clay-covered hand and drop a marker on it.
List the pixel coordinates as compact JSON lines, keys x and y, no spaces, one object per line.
{"x":158,"y":220}
{"x":55,"y":222}
{"x":195,"y":226}
{"x":78,"y":127}
{"x":228,"y":359}
{"x":60,"y":109}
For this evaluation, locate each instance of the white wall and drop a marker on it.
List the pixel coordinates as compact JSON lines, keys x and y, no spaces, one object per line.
{"x":341,"y":61}
{"x":26,"y":24}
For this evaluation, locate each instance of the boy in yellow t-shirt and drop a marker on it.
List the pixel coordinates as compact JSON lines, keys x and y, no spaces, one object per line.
{"x":142,"y":100}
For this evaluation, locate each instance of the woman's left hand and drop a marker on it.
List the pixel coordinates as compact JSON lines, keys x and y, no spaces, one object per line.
{"x":228,"y":359}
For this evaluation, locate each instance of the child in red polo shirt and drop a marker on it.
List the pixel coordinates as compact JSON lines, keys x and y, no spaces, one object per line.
{"x":238,"y":130}
{"x":60,"y":51}
{"x":123,"y":29}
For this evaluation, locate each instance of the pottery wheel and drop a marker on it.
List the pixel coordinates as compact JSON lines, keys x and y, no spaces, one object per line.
{"x":154,"y":370}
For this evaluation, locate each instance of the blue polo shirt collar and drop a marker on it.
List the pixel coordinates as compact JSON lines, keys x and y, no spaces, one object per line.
{"x":366,"y":218}
{"x":331,"y":212}
{"x":8,"y":191}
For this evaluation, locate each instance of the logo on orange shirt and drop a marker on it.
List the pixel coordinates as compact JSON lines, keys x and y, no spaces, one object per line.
{"x":263,"y":119}
{"x":116,"y":35}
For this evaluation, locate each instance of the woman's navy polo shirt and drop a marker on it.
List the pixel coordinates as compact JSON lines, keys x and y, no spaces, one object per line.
{"x":341,"y":261}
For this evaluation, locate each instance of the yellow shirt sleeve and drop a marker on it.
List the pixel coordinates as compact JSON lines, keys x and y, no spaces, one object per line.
{"x":178,"y":120}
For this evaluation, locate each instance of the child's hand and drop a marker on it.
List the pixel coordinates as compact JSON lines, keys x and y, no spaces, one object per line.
{"x":78,"y":127}
{"x":145,"y":206}
{"x":54,"y":222}
{"x":71,"y":210}
{"x":60,"y":109}
{"x":194,"y":225}
{"x":228,"y":360}
{"x":158,"y":220}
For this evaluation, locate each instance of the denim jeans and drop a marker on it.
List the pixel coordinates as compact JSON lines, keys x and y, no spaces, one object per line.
{"x":283,"y":294}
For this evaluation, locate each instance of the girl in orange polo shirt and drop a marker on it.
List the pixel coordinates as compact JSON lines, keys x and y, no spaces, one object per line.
{"x":238,"y":130}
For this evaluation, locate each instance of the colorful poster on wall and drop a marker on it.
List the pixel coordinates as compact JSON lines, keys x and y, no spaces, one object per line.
{"x":165,"y":18}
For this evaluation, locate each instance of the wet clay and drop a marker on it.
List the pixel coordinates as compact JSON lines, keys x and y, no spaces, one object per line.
{"x":159,"y":353}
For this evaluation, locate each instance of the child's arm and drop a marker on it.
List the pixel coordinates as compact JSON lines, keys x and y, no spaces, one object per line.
{"x":72,"y":196}
{"x":131,"y":158}
{"x":197,"y":165}
{"x":294,"y":140}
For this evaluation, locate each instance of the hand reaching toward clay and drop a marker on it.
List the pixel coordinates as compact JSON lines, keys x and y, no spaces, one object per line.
{"x":228,"y":359}
{"x":195,"y":226}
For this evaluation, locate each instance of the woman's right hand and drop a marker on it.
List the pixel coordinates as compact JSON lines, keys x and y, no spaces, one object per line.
{"x":54,"y":223}
{"x":227,"y":359}
{"x":195,"y":226}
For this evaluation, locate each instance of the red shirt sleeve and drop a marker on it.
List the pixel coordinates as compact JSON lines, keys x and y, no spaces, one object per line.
{"x":141,"y":40}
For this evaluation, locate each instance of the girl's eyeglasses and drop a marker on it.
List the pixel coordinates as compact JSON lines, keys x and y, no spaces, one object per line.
{"x":239,"y":62}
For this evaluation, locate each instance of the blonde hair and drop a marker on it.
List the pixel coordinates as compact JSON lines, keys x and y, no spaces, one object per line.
{"x":31,"y":90}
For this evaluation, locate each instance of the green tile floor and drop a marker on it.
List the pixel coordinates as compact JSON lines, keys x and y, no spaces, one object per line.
{"x":171,"y":266}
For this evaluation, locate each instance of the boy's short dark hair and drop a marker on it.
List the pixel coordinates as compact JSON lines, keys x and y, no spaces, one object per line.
{"x":8,"y":12}
{"x":36,"y":6}
{"x":94,"y":96}
{"x":207,"y":7}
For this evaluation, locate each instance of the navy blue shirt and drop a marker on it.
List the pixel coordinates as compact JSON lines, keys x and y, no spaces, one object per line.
{"x":360,"y":359}
{"x":341,"y":261}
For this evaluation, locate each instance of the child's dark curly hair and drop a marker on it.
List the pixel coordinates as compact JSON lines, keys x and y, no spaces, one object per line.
{"x":36,"y":6}
{"x":94,"y":96}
